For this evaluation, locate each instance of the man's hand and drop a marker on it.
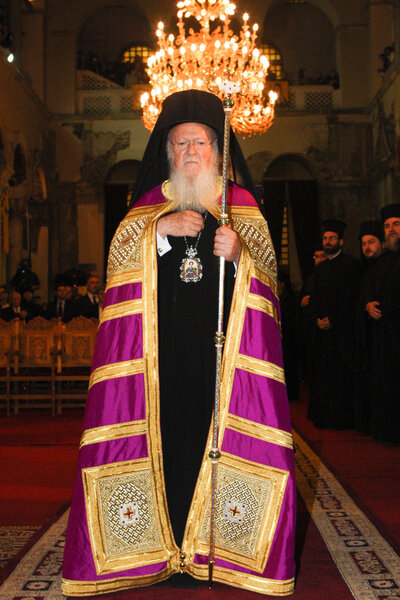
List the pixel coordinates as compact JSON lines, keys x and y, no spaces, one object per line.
{"x":373,"y":310}
{"x":227,"y":244}
{"x":324,"y":323}
{"x":305,"y":301}
{"x":179,"y":224}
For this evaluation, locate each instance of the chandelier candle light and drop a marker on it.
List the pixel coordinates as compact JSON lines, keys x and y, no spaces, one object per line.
{"x":214,"y":53}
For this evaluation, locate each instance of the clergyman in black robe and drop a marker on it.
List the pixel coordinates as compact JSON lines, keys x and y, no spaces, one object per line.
{"x":335,"y":297}
{"x":373,"y":256}
{"x":381,"y":298}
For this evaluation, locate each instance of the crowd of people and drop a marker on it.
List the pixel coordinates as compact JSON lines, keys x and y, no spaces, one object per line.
{"x":343,"y":336}
{"x":21,"y":300}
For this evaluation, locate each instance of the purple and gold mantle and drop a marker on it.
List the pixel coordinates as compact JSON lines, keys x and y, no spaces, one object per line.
{"x":119,"y":535}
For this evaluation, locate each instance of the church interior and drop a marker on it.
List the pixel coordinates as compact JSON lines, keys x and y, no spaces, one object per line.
{"x":72,"y":137}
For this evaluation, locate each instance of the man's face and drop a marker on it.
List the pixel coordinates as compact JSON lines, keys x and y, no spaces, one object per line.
{"x":3,"y":295}
{"x":319,"y":257}
{"x":371,"y":246}
{"x":392,"y":233}
{"x":61,"y":292}
{"x":192,"y":147}
{"x":93,"y":285}
{"x":15,"y":299}
{"x":331,"y":242}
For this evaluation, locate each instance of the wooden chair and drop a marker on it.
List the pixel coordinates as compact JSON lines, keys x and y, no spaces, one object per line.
{"x":75,"y":346}
{"x":32,"y":377}
{"x":6,"y":343}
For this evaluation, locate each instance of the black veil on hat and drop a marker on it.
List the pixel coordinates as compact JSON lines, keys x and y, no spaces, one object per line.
{"x":334,"y":225}
{"x":389,"y":211}
{"x":188,"y":106}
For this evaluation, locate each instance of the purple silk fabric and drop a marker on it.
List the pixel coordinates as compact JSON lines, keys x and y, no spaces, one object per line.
{"x":122,"y":399}
{"x":123,"y":293}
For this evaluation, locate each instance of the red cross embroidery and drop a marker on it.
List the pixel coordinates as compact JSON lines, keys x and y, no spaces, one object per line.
{"x":128,"y":513}
{"x":235,"y":511}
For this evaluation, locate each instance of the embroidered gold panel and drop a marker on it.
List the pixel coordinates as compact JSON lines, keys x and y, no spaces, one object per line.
{"x":123,"y":525}
{"x":248,"y":503}
{"x":255,"y":233}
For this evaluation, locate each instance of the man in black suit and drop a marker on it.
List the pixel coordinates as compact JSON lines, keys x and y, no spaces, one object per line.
{"x":61,"y":306}
{"x":15,"y":310}
{"x":88,"y":305}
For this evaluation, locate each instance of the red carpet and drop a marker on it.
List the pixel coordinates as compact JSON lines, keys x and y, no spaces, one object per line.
{"x":38,"y":456}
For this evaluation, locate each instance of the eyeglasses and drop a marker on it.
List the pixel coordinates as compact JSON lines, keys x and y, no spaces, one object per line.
{"x":198,"y":144}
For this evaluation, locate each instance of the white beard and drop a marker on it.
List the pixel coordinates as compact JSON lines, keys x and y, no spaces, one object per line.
{"x":197,"y":193}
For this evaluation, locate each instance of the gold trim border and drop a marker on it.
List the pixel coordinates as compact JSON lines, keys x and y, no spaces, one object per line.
{"x":246,"y":581}
{"x":278,"y":479}
{"x":261,"y":367}
{"x":263,"y":305}
{"x":113,"y":432}
{"x":259,"y":431}
{"x":115,"y":370}
{"x":266,"y":280}
{"x":122,"y":309}
{"x":103,"y":564}
{"x":70,"y":587}
{"x":152,"y":384}
{"x":118,"y":279}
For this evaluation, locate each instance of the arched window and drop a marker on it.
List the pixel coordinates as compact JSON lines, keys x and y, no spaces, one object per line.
{"x":129,"y":55}
{"x":275,"y":70}
{"x":19,"y":166}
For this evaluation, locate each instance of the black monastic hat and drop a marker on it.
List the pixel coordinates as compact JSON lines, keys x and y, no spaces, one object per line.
{"x":188,"y":106}
{"x":389,"y":211}
{"x":334,"y":225}
{"x":371,"y":228}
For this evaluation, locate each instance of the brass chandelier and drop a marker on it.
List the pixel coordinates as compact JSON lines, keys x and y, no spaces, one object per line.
{"x":205,"y":58}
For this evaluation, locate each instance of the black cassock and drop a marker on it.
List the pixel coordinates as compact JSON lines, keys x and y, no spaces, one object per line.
{"x":187,"y":315}
{"x":380,"y":346}
{"x":335,"y":295}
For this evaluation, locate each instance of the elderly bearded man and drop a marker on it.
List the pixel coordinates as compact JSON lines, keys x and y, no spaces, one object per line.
{"x":141,"y":505}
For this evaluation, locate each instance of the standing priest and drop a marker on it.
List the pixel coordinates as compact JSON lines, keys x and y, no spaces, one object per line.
{"x":381,"y":304}
{"x":335,"y":298}
{"x":141,"y":505}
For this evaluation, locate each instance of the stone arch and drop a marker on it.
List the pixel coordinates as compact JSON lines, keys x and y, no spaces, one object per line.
{"x":298,"y":50}
{"x":326,"y":6}
{"x":107,"y":36}
{"x":291,"y":187}
{"x":290,"y":166}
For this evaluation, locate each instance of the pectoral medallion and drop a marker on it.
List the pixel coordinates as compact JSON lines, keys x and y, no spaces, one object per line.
{"x":191,"y":270}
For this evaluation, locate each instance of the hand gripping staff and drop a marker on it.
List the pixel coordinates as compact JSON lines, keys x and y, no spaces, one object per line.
{"x":228,"y":88}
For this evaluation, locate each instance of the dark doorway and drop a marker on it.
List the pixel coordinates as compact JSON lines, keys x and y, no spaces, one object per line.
{"x":117,"y":186}
{"x":289,"y":182}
